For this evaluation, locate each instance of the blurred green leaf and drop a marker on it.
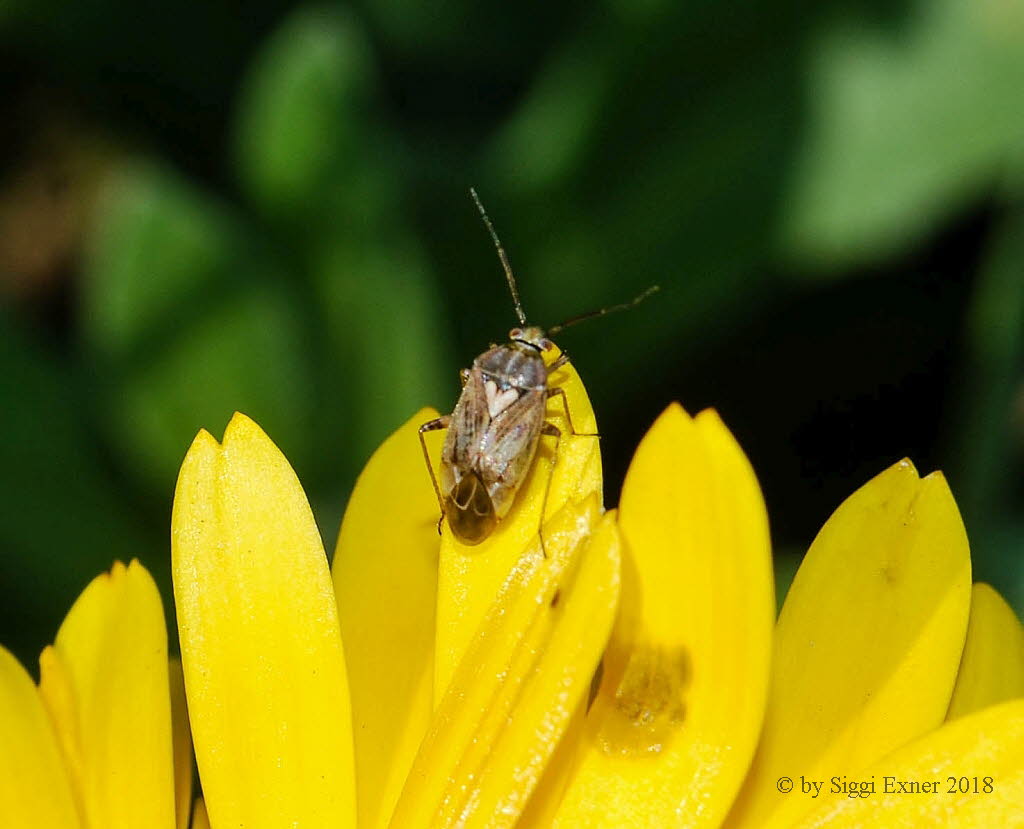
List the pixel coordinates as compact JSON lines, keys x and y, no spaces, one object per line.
{"x":241,"y":353}
{"x":907,"y":121}
{"x":318,"y":163}
{"x":563,"y":106}
{"x":1003,"y":554}
{"x":301,"y":113}
{"x":158,"y":245}
{"x":389,"y":352}
{"x":693,"y":213}
{"x":63,"y":516}
{"x":990,"y":381}
{"x":190,"y":320}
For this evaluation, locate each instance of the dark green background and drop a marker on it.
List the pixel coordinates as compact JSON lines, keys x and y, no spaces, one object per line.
{"x":263,"y":207}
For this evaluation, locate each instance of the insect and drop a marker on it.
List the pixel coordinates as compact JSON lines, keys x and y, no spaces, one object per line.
{"x":497,"y":423}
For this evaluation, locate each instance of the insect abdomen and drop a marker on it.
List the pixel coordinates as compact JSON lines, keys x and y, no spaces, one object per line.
{"x":470,"y":511}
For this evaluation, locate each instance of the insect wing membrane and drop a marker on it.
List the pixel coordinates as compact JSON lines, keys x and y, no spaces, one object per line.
{"x":465,"y":433}
{"x":467,"y":504}
{"x":509,"y":447}
{"x":470,"y":511}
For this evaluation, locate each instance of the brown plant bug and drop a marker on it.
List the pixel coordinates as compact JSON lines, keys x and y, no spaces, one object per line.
{"x":499,"y":419}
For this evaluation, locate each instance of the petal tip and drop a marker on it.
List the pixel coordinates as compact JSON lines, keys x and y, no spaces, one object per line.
{"x":905,"y":465}
{"x":937,"y":485}
{"x":139,"y":573}
{"x":202,"y":443}
{"x":984,"y":587}
{"x":672,"y":421}
{"x":674,"y":409}
{"x":709,"y":413}
{"x":47,"y":659}
{"x":241,"y":426}
{"x":902,"y":475}
{"x":938,"y":480}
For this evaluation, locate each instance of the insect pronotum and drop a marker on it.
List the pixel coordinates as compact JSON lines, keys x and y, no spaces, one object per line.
{"x":499,"y":419}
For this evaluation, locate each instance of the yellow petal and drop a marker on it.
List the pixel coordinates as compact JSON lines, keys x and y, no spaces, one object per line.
{"x":200,"y":820}
{"x":967,"y":775}
{"x":469,"y":577}
{"x":105,"y":685}
{"x":868,"y":641}
{"x":62,"y":707}
{"x":260,"y":644}
{"x":672,"y":730}
{"x":385,"y":581}
{"x":523,"y":675}
{"x":182,"y":740}
{"x":34,"y":786}
{"x":542,"y":807}
{"x":992,"y":666}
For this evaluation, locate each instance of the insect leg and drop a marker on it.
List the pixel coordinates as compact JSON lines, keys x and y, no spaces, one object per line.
{"x":560,"y":392}
{"x":560,"y":361}
{"x":432,"y":426}
{"x":551,"y":430}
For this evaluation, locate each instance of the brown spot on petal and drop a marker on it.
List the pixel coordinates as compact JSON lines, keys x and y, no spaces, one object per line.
{"x":648,"y":706}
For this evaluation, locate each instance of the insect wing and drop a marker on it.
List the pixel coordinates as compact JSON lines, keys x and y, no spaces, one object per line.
{"x":465,"y":432}
{"x":509,"y":447}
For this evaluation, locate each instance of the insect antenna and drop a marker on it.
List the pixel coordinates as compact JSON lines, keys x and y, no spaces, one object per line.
{"x":501,"y":255}
{"x":600,"y":312}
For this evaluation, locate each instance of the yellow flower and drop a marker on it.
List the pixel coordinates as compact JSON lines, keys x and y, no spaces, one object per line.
{"x":632,"y":676}
{"x":283,"y":720}
{"x":103,"y":741}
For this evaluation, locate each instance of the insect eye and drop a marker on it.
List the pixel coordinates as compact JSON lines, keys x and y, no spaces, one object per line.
{"x":546,"y":344}
{"x":515,"y":333}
